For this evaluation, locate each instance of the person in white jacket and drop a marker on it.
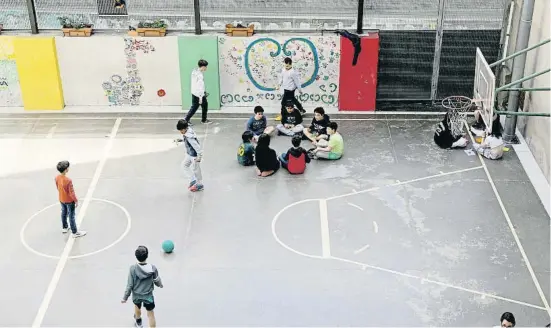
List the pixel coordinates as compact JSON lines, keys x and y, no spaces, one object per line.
{"x":198,"y":93}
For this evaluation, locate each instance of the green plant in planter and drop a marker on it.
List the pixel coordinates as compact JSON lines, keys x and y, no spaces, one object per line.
{"x":66,"y":22}
{"x":159,"y":23}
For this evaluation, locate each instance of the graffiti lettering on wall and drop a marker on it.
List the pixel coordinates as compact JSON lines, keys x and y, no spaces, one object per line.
{"x":128,"y":90}
{"x":10,"y":91}
{"x":250,"y":69}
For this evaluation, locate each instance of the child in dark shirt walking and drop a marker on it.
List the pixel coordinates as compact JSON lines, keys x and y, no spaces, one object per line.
{"x":295,"y":159}
{"x":266,"y":159}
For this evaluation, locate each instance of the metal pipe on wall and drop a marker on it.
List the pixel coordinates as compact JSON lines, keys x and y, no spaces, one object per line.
{"x":519,"y":63}
{"x":437,"y":50}
{"x":32,"y":16}
{"x":197,"y":10}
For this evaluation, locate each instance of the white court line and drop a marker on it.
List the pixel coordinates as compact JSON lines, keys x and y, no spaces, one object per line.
{"x":407,"y":275}
{"x":404,"y":182}
{"x":356,"y":206}
{"x":69,"y":246}
{"x":192,"y":207}
{"x":51,"y":131}
{"x":511,"y":227}
{"x":324,"y":220}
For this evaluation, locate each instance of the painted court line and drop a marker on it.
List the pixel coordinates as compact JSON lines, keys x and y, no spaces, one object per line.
{"x":324,"y":220}
{"x":399,"y":183}
{"x":512,"y":228}
{"x":407,"y":275}
{"x":356,"y":206}
{"x":69,"y":246}
{"x":51,"y":131}
{"x":192,"y":207}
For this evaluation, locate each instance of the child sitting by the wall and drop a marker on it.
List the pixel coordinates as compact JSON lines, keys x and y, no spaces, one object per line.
{"x":245,"y":152}
{"x":291,"y":121}
{"x":258,"y":124}
{"x":295,"y":159}
{"x":492,"y":146}
{"x":318,"y":129}
{"x":266,"y":159}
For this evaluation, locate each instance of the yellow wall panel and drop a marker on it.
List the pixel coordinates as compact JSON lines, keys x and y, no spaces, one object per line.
{"x":38,"y":69}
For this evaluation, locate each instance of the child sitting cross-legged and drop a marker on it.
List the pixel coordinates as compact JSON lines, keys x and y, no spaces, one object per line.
{"x":291,"y":121}
{"x":258,"y":124}
{"x":266,"y":158}
{"x":245,"y":152}
{"x":295,"y":159}
{"x":333,"y":149}
{"x":492,"y":146}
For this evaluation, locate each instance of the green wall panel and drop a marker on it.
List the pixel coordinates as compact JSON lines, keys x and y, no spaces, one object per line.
{"x":191,"y":49}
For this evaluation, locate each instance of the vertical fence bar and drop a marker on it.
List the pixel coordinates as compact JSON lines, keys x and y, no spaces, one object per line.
{"x":437,"y":50}
{"x":360,"y":27}
{"x":197,"y":10}
{"x":32,"y":16}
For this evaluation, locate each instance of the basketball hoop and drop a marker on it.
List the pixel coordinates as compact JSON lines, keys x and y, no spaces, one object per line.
{"x":457,"y":108}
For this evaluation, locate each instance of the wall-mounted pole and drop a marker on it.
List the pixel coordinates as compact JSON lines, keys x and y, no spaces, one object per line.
{"x":32,"y":16}
{"x":529,"y":77}
{"x":360,"y":27}
{"x":519,"y":63}
{"x":437,"y":50}
{"x":526,"y":89}
{"x":520,"y":53}
{"x":197,"y":10}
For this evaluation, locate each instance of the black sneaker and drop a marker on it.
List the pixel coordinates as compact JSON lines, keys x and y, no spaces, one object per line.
{"x":138,"y":322}
{"x":206,"y":122}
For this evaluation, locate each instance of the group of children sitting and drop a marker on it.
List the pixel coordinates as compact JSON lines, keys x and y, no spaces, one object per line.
{"x":322,"y":133}
{"x":491,"y":145}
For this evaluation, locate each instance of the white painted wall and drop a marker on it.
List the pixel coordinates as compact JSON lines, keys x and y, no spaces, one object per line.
{"x":10,"y":90}
{"x":119,"y":71}
{"x":536,"y":129}
{"x":237,"y":87}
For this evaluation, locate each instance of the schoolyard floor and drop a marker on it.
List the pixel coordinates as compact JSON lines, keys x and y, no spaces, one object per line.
{"x":396,"y":233}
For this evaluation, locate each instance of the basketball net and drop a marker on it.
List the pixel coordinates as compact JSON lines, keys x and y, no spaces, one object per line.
{"x":457,"y":108}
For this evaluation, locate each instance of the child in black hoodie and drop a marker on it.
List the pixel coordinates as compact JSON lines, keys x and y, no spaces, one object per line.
{"x":318,"y":129}
{"x":291,"y":121}
{"x":266,"y":158}
{"x":295,"y":159}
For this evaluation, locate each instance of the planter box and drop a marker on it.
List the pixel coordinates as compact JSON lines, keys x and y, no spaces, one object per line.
{"x":239,"y":31}
{"x":81,"y":32}
{"x":148,"y":31}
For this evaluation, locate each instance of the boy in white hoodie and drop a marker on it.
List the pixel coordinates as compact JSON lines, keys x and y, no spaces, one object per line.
{"x":192,"y":163}
{"x":492,"y":146}
{"x":142,"y":279}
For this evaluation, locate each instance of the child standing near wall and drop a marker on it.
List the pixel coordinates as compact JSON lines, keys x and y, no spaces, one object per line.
{"x":198,"y":93}
{"x":289,"y":81}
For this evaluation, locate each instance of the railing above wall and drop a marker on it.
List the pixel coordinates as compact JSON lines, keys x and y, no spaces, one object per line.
{"x":267,"y":15}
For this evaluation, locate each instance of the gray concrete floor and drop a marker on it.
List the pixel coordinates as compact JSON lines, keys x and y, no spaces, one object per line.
{"x":397,"y":233}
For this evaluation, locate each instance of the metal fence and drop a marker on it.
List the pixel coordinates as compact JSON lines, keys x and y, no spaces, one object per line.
{"x":267,"y":15}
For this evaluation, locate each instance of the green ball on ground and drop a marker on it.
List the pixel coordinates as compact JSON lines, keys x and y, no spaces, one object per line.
{"x":168,"y":246}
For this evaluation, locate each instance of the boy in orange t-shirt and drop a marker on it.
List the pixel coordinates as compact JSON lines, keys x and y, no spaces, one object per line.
{"x":68,"y":199}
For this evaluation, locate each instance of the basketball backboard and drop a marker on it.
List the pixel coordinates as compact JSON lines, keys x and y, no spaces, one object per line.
{"x":484,"y":89}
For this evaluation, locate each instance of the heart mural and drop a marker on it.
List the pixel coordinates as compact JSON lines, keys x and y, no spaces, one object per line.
{"x":250,"y":69}
{"x":307,"y":63}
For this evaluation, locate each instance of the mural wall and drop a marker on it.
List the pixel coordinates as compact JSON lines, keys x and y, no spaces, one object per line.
{"x":120,"y":71}
{"x":10,"y":90}
{"x":250,"y":69}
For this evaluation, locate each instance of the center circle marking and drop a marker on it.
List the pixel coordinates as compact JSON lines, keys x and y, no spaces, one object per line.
{"x":32,"y":250}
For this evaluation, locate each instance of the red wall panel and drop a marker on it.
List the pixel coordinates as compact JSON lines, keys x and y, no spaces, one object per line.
{"x":358,"y":84}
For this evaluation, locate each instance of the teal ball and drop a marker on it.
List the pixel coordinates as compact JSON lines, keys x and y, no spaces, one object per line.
{"x":168,"y":246}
